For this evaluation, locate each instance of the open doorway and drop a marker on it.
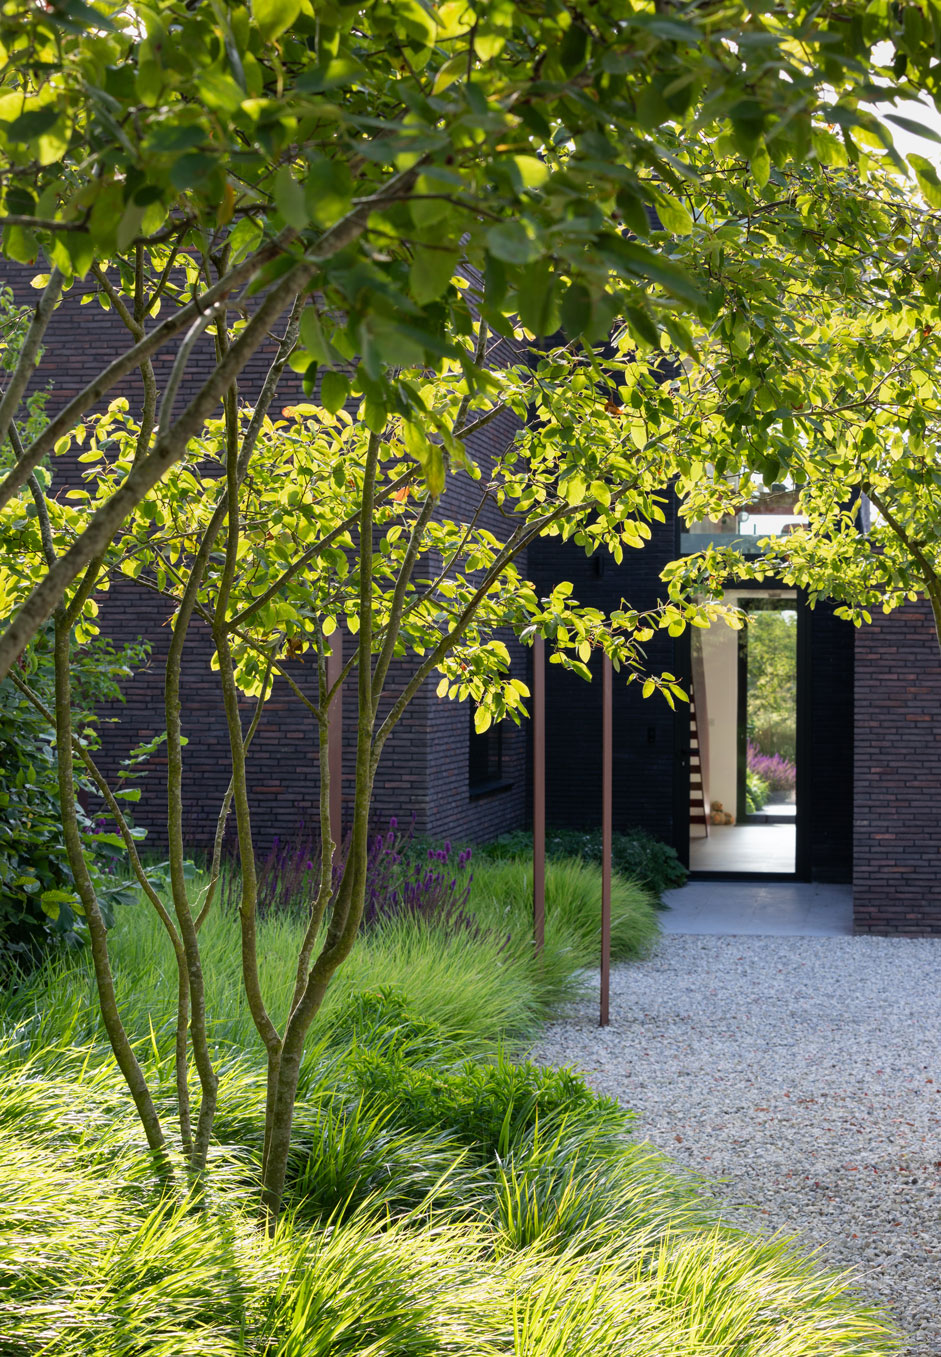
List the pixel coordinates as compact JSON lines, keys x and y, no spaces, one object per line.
{"x":744,"y":740}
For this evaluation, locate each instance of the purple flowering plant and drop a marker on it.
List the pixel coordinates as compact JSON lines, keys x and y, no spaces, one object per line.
{"x":774,"y":769}
{"x":402,"y":880}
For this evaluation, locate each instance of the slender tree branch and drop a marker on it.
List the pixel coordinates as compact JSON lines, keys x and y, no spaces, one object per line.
{"x":397,"y":604}
{"x":169,"y":449}
{"x":315,"y":550}
{"x":94,"y":392}
{"x":98,"y":933}
{"x":29,"y":354}
{"x":347,"y":908}
{"x":145,"y":473}
{"x":216,"y":866}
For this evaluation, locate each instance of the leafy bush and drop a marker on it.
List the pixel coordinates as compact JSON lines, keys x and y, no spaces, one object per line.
{"x":39,"y":904}
{"x":775,"y":770}
{"x":635,"y":854}
{"x":756,"y":792}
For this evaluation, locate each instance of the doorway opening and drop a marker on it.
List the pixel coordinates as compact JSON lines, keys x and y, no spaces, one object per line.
{"x":744,"y":740}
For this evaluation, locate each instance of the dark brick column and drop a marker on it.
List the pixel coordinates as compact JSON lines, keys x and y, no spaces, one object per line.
{"x":897,"y":833}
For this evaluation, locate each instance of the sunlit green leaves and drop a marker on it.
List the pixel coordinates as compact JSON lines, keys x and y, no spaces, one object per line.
{"x":334,"y":390}
{"x":274,"y":16}
{"x":928,"y":180}
{"x":430,"y":272}
{"x":290,"y":199}
{"x":512,"y":243}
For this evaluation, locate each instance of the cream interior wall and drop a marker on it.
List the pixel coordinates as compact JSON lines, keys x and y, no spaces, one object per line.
{"x":720,"y":666}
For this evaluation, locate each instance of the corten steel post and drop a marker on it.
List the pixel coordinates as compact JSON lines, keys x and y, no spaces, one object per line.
{"x":335,"y":741}
{"x":606,"y":797}
{"x":539,"y":793}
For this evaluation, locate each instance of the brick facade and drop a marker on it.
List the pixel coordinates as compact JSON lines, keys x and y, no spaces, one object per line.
{"x":424,"y":767}
{"x":897,"y":838}
{"x":894,"y":781}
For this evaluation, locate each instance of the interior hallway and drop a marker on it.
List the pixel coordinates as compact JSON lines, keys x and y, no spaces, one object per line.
{"x":745,"y":848}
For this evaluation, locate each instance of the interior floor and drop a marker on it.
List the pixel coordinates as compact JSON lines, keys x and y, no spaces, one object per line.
{"x":745,"y":848}
{"x":779,"y":808}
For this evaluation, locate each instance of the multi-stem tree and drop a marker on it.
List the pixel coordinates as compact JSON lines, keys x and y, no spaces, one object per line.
{"x":274,"y":531}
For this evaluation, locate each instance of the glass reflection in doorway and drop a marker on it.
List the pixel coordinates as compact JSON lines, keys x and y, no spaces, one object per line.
{"x":743,"y":740}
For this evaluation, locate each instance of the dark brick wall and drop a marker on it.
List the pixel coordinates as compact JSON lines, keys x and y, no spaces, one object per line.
{"x":897,"y":783}
{"x":644,"y":758}
{"x":283,"y":763}
{"x":897,"y":839}
{"x":424,"y":767}
{"x":452,"y":811}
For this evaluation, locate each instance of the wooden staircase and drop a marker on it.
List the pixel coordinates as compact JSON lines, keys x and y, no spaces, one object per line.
{"x":698,"y":813}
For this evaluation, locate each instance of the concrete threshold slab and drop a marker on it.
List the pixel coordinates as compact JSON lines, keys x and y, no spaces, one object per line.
{"x":774,"y":909}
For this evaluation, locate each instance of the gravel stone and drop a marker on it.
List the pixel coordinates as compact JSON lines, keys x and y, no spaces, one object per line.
{"x":805,"y":1073}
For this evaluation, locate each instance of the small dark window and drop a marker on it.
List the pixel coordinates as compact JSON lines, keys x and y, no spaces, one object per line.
{"x":485,"y":757}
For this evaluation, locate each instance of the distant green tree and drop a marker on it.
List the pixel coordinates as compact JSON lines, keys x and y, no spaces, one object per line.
{"x":772,"y":680}
{"x":827,"y":381}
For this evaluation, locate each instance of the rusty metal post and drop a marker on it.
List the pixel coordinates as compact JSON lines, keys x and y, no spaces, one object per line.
{"x":606,"y":799}
{"x":539,"y":793}
{"x":335,"y":741}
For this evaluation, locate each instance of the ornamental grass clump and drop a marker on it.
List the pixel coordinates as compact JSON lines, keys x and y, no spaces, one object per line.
{"x":440,"y":1197}
{"x":635,"y":854}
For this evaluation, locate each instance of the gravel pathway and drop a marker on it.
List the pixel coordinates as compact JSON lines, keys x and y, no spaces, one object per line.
{"x":806,"y":1073}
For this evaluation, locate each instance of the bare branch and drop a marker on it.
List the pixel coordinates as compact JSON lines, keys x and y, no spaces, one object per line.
{"x":397,"y":605}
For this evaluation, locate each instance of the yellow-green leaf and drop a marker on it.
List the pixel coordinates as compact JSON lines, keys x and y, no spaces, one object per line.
{"x":312,"y":336}
{"x":289,"y":197}
{"x":761,"y":165}
{"x":430,"y":272}
{"x":274,"y":16}
{"x":674,"y":215}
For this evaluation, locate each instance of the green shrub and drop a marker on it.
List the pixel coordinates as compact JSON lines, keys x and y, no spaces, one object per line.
{"x":635,"y":854}
{"x":756,"y":792}
{"x":39,"y":904}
